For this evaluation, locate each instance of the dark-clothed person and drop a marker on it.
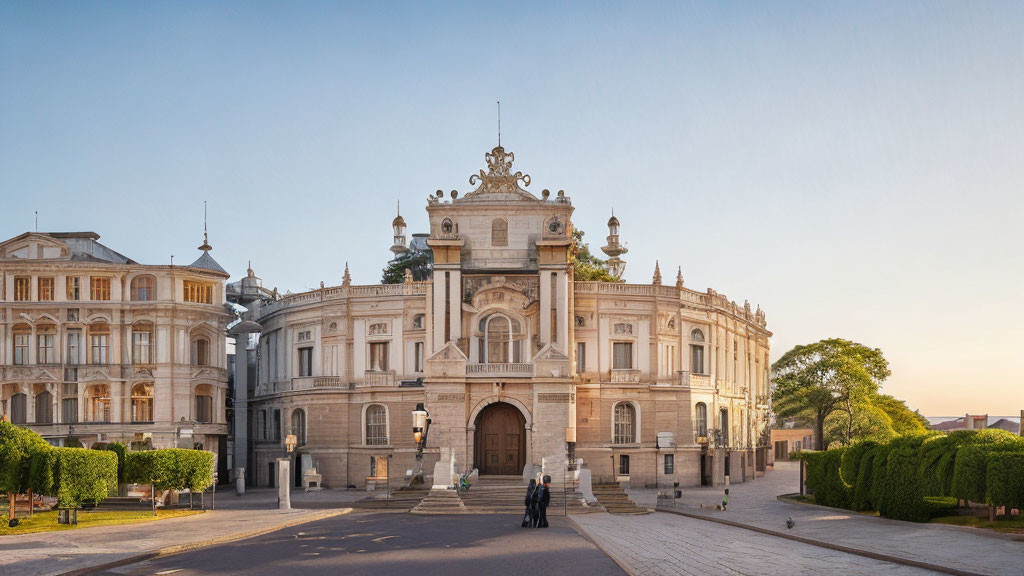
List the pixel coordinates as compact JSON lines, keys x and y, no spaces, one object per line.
{"x":531,"y":506}
{"x":542,"y":502}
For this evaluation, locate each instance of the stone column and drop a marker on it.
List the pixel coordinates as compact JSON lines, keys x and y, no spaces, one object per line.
{"x":545,"y":307}
{"x":440,"y":292}
{"x":562,"y":311}
{"x":455,"y":302}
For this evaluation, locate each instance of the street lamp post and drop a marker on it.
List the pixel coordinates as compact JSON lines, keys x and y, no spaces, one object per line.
{"x":284,"y":485}
{"x":420,"y":429}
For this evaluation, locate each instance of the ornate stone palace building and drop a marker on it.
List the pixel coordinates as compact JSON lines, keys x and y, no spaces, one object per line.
{"x":97,"y":347}
{"x":519,"y":366}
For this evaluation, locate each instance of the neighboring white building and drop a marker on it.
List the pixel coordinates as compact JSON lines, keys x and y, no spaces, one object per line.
{"x":97,"y":347}
{"x":519,"y":365}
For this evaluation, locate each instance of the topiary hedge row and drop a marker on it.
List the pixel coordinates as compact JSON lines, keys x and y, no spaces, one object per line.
{"x":914,"y":477}
{"x":170,"y":469}
{"x":74,"y":475}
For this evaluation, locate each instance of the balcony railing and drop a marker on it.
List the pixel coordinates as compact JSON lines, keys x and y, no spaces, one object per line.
{"x":312,"y":382}
{"x":376,"y":379}
{"x":500,"y":369}
{"x":625,"y":376}
{"x":694,"y":380}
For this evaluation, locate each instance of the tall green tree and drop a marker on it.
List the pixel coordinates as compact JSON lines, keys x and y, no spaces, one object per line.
{"x":813,"y":381}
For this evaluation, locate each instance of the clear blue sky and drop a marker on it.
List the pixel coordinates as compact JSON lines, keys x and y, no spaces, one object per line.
{"x":854,"y":168}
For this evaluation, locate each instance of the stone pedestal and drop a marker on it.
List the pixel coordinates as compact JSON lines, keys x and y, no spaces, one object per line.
{"x":284,"y":500}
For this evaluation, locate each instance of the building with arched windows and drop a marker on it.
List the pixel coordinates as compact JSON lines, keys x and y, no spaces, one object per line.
{"x":95,"y":347}
{"x":520,"y":366}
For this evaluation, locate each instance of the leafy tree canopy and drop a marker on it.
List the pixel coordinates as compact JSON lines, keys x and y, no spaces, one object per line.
{"x":586,"y":266}
{"x":814,"y":380}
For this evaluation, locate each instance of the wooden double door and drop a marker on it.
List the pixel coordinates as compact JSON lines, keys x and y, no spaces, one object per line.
{"x":500,"y":445}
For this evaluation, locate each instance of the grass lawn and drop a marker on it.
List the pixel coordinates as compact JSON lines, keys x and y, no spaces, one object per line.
{"x":47,"y":521}
{"x":1010,"y":524}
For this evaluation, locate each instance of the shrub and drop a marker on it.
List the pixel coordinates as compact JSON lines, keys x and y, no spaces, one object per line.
{"x":852,"y":460}
{"x":171,"y":469}
{"x":940,"y":506}
{"x":824,"y":480}
{"x":117,"y":448}
{"x":860,"y":497}
{"x":878,"y":465}
{"x":17,"y":446}
{"x":1005,"y":479}
{"x":901,"y":494}
{"x":970,"y":469}
{"x":73,"y":475}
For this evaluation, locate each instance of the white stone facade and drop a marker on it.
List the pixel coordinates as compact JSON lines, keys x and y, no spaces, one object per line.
{"x":609,"y":372}
{"x":99,"y":348}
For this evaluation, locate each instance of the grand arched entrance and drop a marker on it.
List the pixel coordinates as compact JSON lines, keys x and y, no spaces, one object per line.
{"x":500,"y":440}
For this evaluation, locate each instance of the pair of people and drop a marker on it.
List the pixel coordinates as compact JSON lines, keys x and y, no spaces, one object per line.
{"x":537,"y":499}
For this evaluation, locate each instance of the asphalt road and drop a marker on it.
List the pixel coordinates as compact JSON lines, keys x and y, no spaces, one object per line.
{"x":368,"y":543}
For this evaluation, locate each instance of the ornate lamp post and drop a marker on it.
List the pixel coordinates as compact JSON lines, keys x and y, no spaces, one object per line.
{"x":420,"y":428}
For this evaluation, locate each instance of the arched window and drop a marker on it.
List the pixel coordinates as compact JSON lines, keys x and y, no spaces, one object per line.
{"x":702,"y":419}
{"x":44,"y":407}
{"x":697,"y":352}
{"x":697,"y":335}
{"x":446,"y":226}
{"x":376,"y":425}
{"x":204,"y":404}
{"x":500,"y":342}
{"x":299,"y":425}
{"x":98,"y":403}
{"x":19,"y":414}
{"x":499,"y":232}
{"x":624,"y":424}
{"x":142,"y":403}
{"x":143,"y":288}
{"x":201,"y":352}
{"x":142,"y":340}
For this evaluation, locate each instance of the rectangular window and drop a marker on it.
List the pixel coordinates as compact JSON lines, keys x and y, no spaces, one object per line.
{"x":379,"y":356}
{"x":22,"y":288}
{"x":44,"y":348}
{"x":670,"y":464}
{"x":623,"y":465}
{"x":204,"y":409}
{"x":45,"y":289}
{"x":305,"y":362}
{"x":201,"y":352}
{"x":21,"y":349}
{"x":622,"y":355}
{"x":261,"y":425}
{"x":74,"y":345}
{"x":417,"y":352}
{"x":19,"y":410}
{"x":99,"y":288}
{"x":697,"y":358}
{"x":99,"y":348}
{"x":69,"y":411}
{"x":74,"y":288}
{"x":140,"y":348}
{"x":581,"y":357}
{"x":277,"y":425}
{"x":197,"y":292}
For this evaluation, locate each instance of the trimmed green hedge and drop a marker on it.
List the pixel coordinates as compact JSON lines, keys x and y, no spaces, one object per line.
{"x":74,"y":475}
{"x":17,"y":445}
{"x":1005,"y":479}
{"x":170,"y":469}
{"x":117,"y":448}
{"x":917,"y":477}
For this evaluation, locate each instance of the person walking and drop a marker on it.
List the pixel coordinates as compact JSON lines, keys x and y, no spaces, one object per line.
{"x":542,"y":502}
{"x":530,"y":492}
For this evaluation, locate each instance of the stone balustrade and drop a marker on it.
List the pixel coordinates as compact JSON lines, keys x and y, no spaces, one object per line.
{"x":501,"y":369}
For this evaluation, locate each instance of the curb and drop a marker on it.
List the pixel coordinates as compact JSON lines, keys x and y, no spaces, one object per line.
{"x":169,"y":550}
{"x":586,"y":536}
{"x":828,"y":545}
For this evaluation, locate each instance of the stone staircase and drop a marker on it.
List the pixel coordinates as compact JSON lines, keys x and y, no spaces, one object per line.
{"x":506,"y":494}
{"x":440,"y":501}
{"x":615,"y":500}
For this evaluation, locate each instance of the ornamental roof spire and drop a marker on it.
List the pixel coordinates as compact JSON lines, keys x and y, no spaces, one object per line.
{"x":679,"y":278}
{"x":346,"y":279}
{"x":205,"y":261}
{"x":657,"y":274}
